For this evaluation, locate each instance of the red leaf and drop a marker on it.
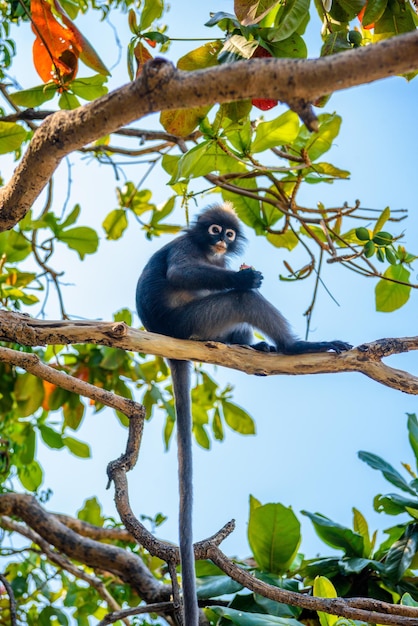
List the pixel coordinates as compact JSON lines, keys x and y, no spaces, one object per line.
{"x":264,"y":104}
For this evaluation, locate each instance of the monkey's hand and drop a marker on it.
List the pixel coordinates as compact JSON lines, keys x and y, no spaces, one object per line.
{"x":248,"y":278}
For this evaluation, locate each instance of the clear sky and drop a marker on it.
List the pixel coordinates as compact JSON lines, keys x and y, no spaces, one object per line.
{"x":309,"y":429}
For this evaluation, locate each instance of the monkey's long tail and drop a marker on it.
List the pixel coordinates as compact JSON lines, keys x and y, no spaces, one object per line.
{"x":181,"y":376}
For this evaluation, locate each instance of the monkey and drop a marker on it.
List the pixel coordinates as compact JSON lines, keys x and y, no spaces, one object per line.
{"x":187,"y":291}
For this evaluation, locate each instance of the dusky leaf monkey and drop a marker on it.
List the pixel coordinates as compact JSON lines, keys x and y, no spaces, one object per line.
{"x":187,"y":291}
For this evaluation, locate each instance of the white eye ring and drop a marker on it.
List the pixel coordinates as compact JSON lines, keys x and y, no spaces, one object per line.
{"x":231,"y":234}
{"x":214,"y":229}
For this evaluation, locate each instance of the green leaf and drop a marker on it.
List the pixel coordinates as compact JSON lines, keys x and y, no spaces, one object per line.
{"x":51,"y":437}
{"x":287,"y":240}
{"x":35,"y":96}
{"x":182,"y":122}
{"x":201,"y":436}
{"x":383,"y":217}
{"x":408,"y":600}
{"x":336,"y":535}
{"x":11,"y":137}
{"x":89,"y":88}
{"x":213,"y":586}
{"x":73,"y":411}
{"x":115,"y":224}
{"x":238,"y":419}
{"x":253,"y":619}
{"x":123,"y":315}
{"x":282,"y":130}
{"x":82,"y":239}
{"x":362,"y":528}
{"x":68,"y":101}
{"x":29,"y":393}
{"x":113,"y":358}
{"x":47,"y":615}
{"x":217,"y":428}
{"x":248,"y":209}
{"x":293,"y":47}
{"x":78,"y":448}
{"x":91,"y":512}
{"x":292,"y":15}
{"x":392,"y":23}
{"x":274,"y":536}
{"x":72,"y":217}
{"x":200,"y":58}
{"x":389,"y":472}
{"x":152,"y":11}
{"x":413,"y":434}
{"x":394,"y":504}
{"x":391,"y":296}
{"x":30,"y":475}
{"x":335,"y":42}
{"x":253,"y":12}
{"x":400,"y":556}
{"x":14,"y":246}
{"x":237,"y":48}
{"x":321,"y":142}
{"x":323,"y":588}
{"x":203,"y":159}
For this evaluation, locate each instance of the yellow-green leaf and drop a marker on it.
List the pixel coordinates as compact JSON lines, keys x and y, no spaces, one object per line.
{"x":11,"y":137}
{"x":204,"y":56}
{"x":282,"y":130}
{"x":323,"y":588}
{"x":391,"y":296}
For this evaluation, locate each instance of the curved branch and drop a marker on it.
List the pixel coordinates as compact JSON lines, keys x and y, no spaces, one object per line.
{"x":375,"y":611}
{"x":161,"y":87}
{"x":31,"y":363}
{"x":365,"y":359}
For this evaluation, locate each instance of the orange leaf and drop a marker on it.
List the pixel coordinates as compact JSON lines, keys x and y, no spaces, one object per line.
{"x":142,"y":56}
{"x":48,"y":389}
{"x":86,"y":51}
{"x":55,"y":52}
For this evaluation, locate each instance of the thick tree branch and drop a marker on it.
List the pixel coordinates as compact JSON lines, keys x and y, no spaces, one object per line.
{"x":365,"y":359}
{"x":62,"y":562}
{"x":31,"y":363}
{"x":124,"y":564}
{"x":161,"y":87}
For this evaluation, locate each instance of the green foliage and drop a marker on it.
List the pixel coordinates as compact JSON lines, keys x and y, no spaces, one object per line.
{"x":259,"y":164}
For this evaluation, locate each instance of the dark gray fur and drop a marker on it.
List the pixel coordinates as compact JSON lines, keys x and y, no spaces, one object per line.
{"x":187,"y":291}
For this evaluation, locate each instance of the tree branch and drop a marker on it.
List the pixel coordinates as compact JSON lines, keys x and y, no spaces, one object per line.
{"x":161,"y":87}
{"x":365,"y":359}
{"x":124,"y":564}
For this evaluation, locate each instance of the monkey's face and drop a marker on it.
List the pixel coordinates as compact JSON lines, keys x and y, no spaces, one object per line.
{"x":220,"y":238}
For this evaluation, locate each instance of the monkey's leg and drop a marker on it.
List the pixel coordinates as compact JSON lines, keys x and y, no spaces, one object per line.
{"x":215,"y":317}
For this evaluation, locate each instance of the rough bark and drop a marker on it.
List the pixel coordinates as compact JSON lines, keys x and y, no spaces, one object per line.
{"x":365,"y":359}
{"x":160,"y":87}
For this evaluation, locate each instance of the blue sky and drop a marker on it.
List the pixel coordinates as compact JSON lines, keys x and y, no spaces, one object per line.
{"x":309,"y":429}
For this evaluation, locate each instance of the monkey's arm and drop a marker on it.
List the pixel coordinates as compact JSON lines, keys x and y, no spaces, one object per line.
{"x":187,"y":270}
{"x":213,"y":278}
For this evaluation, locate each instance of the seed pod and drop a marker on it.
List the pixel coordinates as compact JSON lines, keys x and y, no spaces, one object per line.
{"x":382,"y":238}
{"x":380,"y":255}
{"x":355,"y":37}
{"x":391,"y":256}
{"x":369,"y":249}
{"x":362,"y":234}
